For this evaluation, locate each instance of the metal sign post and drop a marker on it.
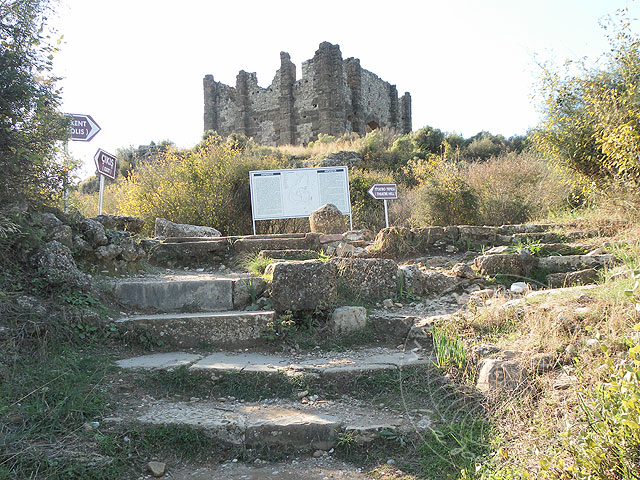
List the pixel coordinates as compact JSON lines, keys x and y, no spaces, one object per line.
{"x":106,"y":167}
{"x":384,"y":191}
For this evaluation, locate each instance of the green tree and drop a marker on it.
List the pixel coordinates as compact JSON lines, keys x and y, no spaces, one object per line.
{"x":30,"y":125}
{"x":592,"y":117}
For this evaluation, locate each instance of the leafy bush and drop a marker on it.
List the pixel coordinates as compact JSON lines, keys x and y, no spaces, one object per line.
{"x":30,"y":123}
{"x":445,"y":198}
{"x":592,"y":118}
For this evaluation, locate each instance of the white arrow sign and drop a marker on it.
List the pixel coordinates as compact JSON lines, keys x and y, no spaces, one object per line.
{"x":83,"y":128}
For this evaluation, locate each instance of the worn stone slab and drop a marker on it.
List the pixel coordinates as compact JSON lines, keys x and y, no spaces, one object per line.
{"x":282,"y":423}
{"x":197,"y":329}
{"x":307,"y":285}
{"x":251,"y":244}
{"x":311,"y":468}
{"x":568,"y":263}
{"x":201,"y":252}
{"x":159,"y":361}
{"x":326,"y":364}
{"x":198,"y":292}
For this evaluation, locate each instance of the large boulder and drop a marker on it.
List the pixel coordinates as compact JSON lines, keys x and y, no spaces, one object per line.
{"x":367,"y":278}
{"x":121,"y":222}
{"x":327,"y":219}
{"x":55,"y":264}
{"x":303,"y":285}
{"x":166,"y":228}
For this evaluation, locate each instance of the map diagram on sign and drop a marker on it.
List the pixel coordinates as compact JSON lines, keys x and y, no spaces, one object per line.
{"x":300,"y":190}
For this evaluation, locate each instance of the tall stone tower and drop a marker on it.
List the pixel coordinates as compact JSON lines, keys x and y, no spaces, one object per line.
{"x":333,"y":97}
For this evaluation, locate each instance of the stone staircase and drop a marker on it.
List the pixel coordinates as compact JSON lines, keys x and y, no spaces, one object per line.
{"x":207,"y":332}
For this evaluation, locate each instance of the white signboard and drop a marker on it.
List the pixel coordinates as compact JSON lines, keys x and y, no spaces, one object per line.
{"x":296,"y":192}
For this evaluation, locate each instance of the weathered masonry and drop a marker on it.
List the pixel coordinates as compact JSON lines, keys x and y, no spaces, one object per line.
{"x":334,"y":96}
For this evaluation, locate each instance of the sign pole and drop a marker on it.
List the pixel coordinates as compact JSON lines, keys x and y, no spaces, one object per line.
{"x":101,"y":196}
{"x":386,"y":214}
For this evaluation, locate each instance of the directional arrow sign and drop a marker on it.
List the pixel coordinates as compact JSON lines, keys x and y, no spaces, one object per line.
{"x":105,"y":163}
{"x":384,"y":191}
{"x":83,"y":127}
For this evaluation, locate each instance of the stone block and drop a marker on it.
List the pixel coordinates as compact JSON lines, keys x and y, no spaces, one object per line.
{"x":570,"y":263}
{"x":515,"y":264}
{"x":367,"y":278}
{"x":303,"y":285}
{"x":345,"y":320}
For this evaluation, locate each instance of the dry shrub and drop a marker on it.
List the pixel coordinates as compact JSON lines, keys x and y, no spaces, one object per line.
{"x":207,"y":185}
{"x":445,"y":198}
{"x":516,"y":188}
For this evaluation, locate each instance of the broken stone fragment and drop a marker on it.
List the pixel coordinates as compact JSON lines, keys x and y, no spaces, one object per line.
{"x":327,"y":219}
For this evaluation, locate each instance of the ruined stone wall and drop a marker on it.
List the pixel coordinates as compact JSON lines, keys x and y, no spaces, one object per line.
{"x":333,"y":97}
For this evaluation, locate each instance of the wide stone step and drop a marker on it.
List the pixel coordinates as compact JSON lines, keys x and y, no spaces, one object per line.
{"x":184,"y":292}
{"x":232,"y":328}
{"x":323,"y":364}
{"x":310,"y":468}
{"x":297,"y":425}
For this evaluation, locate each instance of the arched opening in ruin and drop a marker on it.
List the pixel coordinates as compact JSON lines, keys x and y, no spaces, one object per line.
{"x":372,"y":125}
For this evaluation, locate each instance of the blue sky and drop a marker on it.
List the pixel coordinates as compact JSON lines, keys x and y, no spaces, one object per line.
{"x":136,"y":66}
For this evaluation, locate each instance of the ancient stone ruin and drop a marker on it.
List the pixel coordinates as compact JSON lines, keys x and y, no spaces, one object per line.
{"x":333,"y":97}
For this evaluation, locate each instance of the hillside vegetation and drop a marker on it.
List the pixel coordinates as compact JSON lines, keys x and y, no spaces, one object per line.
{"x":580,"y":167}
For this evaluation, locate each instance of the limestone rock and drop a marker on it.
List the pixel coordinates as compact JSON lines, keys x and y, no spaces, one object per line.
{"x":370,"y":278}
{"x":63,"y":234}
{"x":570,"y":279}
{"x":413,"y":279}
{"x":157,"y":469}
{"x":346,"y":320}
{"x":48,"y":220}
{"x":121,"y":222}
{"x":569,"y":263}
{"x":55,"y":263}
{"x":93,"y":232}
{"x":303,"y":285}
{"x":515,"y":264}
{"x":166,"y":228}
{"x":108,"y":252}
{"x":462,"y":270}
{"x":327,"y":219}
{"x":438,"y":282}
{"x":499,"y":376}
{"x":81,"y":245}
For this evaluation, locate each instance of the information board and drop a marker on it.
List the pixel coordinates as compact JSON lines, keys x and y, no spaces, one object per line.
{"x":296,"y":192}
